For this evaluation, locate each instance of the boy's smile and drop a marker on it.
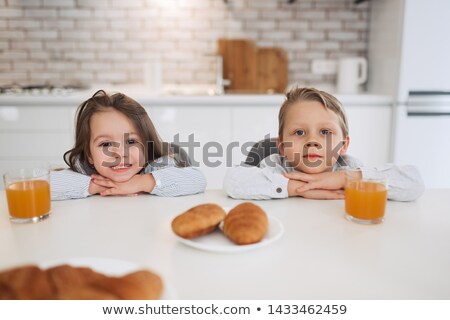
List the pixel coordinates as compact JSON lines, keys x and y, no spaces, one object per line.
{"x":312,"y":137}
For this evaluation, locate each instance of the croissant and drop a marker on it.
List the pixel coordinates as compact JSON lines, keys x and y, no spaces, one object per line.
{"x":246,"y":223}
{"x":198,"y":220}
{"x":77,"y":283}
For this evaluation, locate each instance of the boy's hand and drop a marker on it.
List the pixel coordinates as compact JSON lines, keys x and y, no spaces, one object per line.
{"x":138,"y":183}
{"x":325,"y":180}
{"x":319,"y":194}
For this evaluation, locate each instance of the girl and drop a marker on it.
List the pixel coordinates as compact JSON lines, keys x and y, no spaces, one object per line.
{"x":117,"y":151}
{"x":312,"y":143}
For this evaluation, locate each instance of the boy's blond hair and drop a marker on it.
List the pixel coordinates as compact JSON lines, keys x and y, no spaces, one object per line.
{"x":311,"y":94}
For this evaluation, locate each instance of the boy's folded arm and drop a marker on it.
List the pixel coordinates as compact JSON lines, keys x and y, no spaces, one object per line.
{"x":67,"y":184}
{"x":248,"y":182}
{"x":404,"y":182}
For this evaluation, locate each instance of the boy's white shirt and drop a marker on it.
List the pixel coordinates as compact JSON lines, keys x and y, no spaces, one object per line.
{"x":170,"y":181}
{"x":268,"y":182}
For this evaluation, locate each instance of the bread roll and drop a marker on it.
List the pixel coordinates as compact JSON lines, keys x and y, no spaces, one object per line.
{"x":77,"y":283}
{"x":198,"y":221}
{"x":246,"y":223}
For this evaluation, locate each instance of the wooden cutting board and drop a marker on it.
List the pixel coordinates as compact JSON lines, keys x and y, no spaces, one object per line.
{"x":239,"y":63}
{"x":251,"y":69}
{"x":272,"y":70}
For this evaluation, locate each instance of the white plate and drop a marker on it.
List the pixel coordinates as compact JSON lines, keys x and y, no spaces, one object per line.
{"x":109,"y":267}
{"x":218,"y":242}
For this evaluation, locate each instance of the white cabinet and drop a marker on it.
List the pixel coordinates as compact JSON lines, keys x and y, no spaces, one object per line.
{"x":35,"y":135}
{"x":370,"y":133}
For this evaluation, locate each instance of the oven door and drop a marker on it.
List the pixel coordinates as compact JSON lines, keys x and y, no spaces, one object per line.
{"x":422,"y":136}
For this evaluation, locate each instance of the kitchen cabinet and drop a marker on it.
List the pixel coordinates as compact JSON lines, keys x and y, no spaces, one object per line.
{"x":36,"y":131}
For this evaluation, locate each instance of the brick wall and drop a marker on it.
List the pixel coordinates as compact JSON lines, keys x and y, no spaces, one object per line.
{"x":63,"y":41}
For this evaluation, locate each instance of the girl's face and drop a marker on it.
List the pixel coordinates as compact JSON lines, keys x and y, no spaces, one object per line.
{"x":116,"y":149}
{"x":312,"y":137}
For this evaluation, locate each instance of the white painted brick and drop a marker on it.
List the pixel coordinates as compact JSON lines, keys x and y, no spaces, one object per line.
{"x":299,"y":66}
{"x":246,"y":14}
{"x":40,"y":55}
{"x":194,"y":4}
{"x":277,"y":35}
{"x":310,"y":15}
{"x":109,"y":14}
{"x":140,"y":35}
{"x":193,"y":25}
{"x":177,"y":34}
{"x":343,"y":15}
{"x":45,"y":76}
{"x":293,"y":25}
{"x":325,"y":45}
{"x":113,"y":56}
{"x":16,"y":35}
{"x":75,"y":13}
{"x":355,"y":46}
{"x":79,"y":55}
{"x":160,"y":45}
{"x":125,"y":24}
{"x":266,"y":4}
{"x":23,"y":3}
{"x":87,"y":77}
{"x":311,"y":54}
{"x":3,"y":24}
{"x":298,"y":5}
{"x":330,"y":4}
{"x":211,"y":34}
{"x":62,"y":66}
{"x":28,"y":65}
{"x":260,"y":25}
{"x":109,"y":35}
{"x":127,"y":45}
{"x":13,"y":55}
{"x":4,"y":45}
{"x":24,"y":24}
{"x":93,"y":4}
{"x":33,"y":45}
{"x":343,"y":35}
{"x":60,"y":45}
{"x":10,"y":13}
{"x":75,"y":35}
{"x":127,"y":4}
{"x":5,"y":66}
{"x":276,"y":14}
{"x":40,"y":13}
{"x":59,"y":3}
{"x":14,"y":76}
{"x":310,"y":35}
{"x":356,"y":25}
{"x":95,"y":66}
{"x":326,"y":25}
{"x":59,"y":24}
{"x":91,"y":24}
{"x":50,"y":34}
{"x":194,"y":45}
{"x":295,"y":45}
{"x":111,"y":76}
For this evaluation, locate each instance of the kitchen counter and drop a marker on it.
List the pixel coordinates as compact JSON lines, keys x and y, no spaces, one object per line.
{"x":321,"y":255}
{"x":147,"y":99}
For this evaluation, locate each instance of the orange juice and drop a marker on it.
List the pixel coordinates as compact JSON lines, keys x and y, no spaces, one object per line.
{"x":28,"y":199}
{"x":365,"y":200}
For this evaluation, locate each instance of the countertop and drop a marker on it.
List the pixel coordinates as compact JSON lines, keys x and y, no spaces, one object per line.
{"x":321,"y":255}
{"x":148,"y":99}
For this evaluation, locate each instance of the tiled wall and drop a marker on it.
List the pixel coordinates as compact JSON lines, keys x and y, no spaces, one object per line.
{"x":62,"y":41}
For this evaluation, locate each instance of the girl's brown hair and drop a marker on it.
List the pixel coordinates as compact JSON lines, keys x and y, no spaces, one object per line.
{"x":77,"y":157}
{"x":310,"y":94}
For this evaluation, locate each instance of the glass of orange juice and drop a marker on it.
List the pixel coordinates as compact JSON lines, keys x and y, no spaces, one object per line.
{"x":28,"y":194}
{"x":365,"y":199}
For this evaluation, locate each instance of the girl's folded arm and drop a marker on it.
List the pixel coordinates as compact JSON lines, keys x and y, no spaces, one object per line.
{"x":67,"y":184}
{"x":174,"y":181}
{"x":404,"y":182}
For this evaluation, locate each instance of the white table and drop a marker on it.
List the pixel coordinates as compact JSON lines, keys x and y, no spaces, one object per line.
{"x":320,"y":256}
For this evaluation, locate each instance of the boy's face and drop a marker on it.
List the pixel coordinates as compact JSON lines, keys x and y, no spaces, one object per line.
{"x":312,"y":137}
{"x":116,"y":149}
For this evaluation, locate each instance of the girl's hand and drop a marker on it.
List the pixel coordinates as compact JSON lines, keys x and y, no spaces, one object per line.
{"x":95,"y":188}
{"x":138,"y":183}
{"x":325,"y":180}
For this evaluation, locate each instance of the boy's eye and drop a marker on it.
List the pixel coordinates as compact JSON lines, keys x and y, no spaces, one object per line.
{"x":325,"y":131}
{"x":299,"y":132}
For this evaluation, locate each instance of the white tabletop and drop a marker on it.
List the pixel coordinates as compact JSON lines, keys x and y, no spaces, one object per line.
{"x":320,"y":256}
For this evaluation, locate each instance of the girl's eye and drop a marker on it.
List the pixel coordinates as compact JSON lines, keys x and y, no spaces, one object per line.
{"x":325,"y":131}
{"x":299,"y":132}
{"x":131,"y":141}
{"x":105,"y":144}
